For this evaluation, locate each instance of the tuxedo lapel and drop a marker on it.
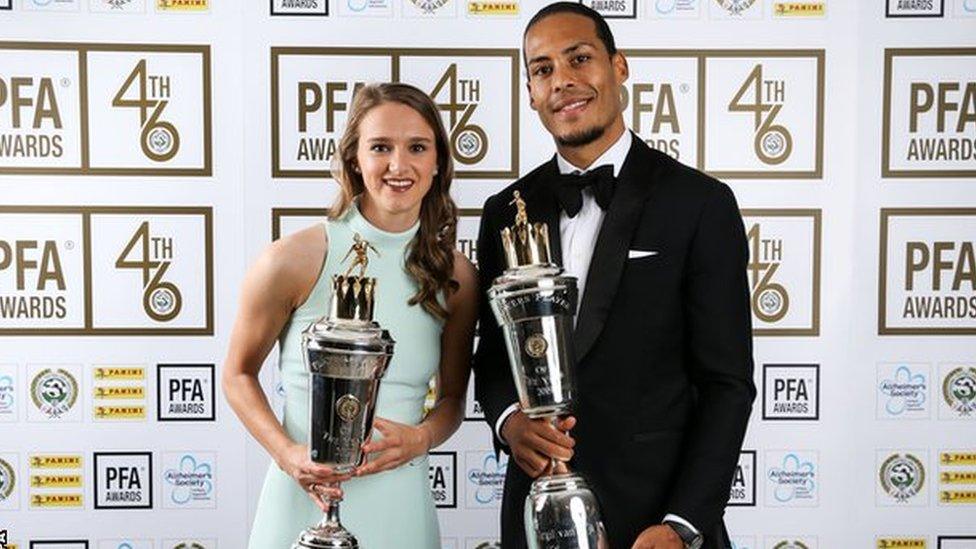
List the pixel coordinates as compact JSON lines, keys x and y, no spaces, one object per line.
{"x":637,"y":177}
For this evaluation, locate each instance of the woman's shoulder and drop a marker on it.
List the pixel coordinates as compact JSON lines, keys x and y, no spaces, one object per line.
{"x":293,"y":263}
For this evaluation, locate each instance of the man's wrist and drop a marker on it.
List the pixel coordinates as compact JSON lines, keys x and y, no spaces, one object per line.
{"x":689,"y":537}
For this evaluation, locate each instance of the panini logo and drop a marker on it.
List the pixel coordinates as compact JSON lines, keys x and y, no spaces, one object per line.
{"x":185,"y":392}
{"x":799,"y":9}
{"x":901,"y":543}
{"x":784,"y":271}
{"x":119,"y":393}
{"x":493,"y":8}
{"x":182,"y":5}
{"x":442,"y":475}
{"x":105,"y":270}
{"x":105,"y":109}
{"x":613,"y":9}
{"x":754,"y":114}
{"x":957,"y":477}
{"x":475,"y":89}
{"x":929,"y":113}
{"x":123,"y":480}
{"x":743,"y":492}
{"x":120,"y":373}
{"x":56,"y":481}
{"x":927,"y":272}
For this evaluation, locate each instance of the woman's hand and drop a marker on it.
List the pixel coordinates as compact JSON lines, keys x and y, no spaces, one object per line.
{"x":314,"y":478}
{"x":400,"y":444}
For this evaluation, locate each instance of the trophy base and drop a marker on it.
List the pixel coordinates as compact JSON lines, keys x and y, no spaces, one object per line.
{"x":326,"y":536}
{"x":562,"y":513}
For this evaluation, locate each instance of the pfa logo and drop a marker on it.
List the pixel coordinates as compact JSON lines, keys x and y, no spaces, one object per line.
{"x":185,"y":392}
{"x":475,"y":90}
{"x":772,"y":102}
{"x":743,"y":492}
{"x":791,"y":391}
{"x":901,"y":478}
{"x":123,"y":480}
{"x":661,"y":100}
{"x":189,"y":480}
{"x":929,"y":113}
{"x":784,"y":270}
{"x":485,"y":474}
{"x":106,"y":109}
{"x":903,"y":391}
{"x":927,"y":274}
{"x":792,"y":478}
{"x":958,"y":391}
{"x":442,"y":475}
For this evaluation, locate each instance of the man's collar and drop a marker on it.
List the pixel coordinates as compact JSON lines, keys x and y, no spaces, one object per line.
{"x":614,"y":156}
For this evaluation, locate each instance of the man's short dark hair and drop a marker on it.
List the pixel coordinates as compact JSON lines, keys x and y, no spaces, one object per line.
{"x":602,"y":28}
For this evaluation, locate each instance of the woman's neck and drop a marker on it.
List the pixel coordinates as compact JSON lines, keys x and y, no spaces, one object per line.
{"x":391,"y":222}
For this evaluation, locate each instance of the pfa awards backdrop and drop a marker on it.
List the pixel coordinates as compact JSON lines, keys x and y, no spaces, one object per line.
{"x":149,"y":149}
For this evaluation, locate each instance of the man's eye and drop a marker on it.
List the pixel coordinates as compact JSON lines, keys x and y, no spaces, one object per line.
{"x":582,"y":58}
{"x":542,"y":70}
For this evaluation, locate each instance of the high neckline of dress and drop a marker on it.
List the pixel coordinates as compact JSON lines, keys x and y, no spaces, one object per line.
{"x":375,"y":235}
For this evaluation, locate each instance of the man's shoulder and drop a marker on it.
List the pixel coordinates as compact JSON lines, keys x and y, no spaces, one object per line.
{"x":680,"y":180}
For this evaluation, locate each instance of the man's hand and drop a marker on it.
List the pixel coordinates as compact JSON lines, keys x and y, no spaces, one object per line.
{"x":535,"y":441}
{"x":659,"y":536}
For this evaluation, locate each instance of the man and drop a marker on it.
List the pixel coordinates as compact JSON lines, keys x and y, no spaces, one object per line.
{"x":663,"y":331}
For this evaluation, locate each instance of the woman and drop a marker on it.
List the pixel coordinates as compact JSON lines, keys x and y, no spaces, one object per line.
{"x":394,"y":172}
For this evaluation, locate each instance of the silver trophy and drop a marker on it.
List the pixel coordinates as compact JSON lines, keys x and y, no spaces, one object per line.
{"x":346,"y":354}
{"x":535,"y":303}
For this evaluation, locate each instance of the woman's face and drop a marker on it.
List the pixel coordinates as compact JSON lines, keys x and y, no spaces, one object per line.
{"x":397,"y":158}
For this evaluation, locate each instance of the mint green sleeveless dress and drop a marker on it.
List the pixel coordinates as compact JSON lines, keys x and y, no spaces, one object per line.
{"x":392,"y":509}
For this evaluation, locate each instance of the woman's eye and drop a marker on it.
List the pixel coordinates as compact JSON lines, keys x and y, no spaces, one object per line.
{"x":379,"y":148}
{"x":418,"y":148}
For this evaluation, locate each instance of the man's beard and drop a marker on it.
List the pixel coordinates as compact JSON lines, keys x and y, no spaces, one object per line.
{"x":581,"y":138}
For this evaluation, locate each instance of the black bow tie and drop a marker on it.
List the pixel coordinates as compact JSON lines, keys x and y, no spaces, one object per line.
{"x":569,"y":188}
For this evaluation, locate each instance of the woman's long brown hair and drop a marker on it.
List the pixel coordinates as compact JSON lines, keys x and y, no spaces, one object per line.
{"x":430,"y":260}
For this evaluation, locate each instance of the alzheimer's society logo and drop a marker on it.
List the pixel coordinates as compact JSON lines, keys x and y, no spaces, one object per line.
{"x":486,"y":478}
{"x":903,"y":391}
{"x":793,"y":481}
{"x":189,"y":481}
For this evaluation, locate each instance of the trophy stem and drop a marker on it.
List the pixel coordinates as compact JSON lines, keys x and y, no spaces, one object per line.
{"x":332,"y":515}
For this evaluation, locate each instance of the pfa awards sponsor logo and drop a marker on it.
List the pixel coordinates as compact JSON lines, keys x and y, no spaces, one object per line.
{"x":927,"y":272}
{"x":958,"y":391}
{"x":743,"y":492}
{"x":59,"y":544}
{"x":743,"y":542}
{"x":123,"y":480}
{"x":784,"y":271}
{"x":9,"y":398}
{"x":56,"y":481}
{"x":183,"y":5}
{"x":300,"y":7}
{"x":125,"y":543}
{"x":661,"y":101}
{"x":55,"y":393}
{"x":105,"y":109}
{"x":185,"y":392}
{"x":903,"y":391}
{"x":901,"y":478}
{"x":929,"y":113}
{"x":900,"y":543}
{"x":476,"y":91}
{"x":469,"y":220}
{"x":799,"y":9}
{"x":119,"y":393}
{"x":70,"y":270}
{"x":189,"y":480}
{"x":9,"y":482}
{"x":50,"y":5}
{"x":773,"y":104}
{"x":914,"y":8}
{"x":674,"y":9}
{"x":956,"y":542}
{"x":736,"y":9}
{"x":366,"y":8}
{"x":791,"y":391}
{"x":429,"y":8}
{"x":957,"y":477}
{"x":442,"y":474}
{"x":613,"y":9}
{"x":117,"y":6}
{"x":485,"y":476}
{"x":791,"y":542}
{"x":792,"y":478}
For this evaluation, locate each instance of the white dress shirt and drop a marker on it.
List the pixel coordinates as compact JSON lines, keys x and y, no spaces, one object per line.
{"x":578,"y":238}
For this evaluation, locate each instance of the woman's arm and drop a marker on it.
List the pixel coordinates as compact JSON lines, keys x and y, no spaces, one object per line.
{"x":401,"y":443}
{"x":280,"y":280}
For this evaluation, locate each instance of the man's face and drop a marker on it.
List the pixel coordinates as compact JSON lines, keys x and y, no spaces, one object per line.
{"x":573,"y":81}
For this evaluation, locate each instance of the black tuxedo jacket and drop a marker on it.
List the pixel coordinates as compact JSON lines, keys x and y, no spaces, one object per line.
{"x":663,"y":345}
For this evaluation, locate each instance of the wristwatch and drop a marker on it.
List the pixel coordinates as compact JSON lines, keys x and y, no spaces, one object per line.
{"x":690,"y":538}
